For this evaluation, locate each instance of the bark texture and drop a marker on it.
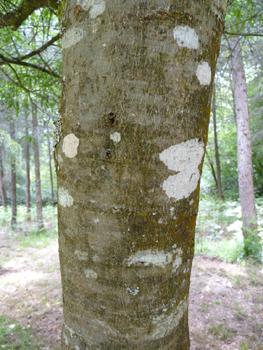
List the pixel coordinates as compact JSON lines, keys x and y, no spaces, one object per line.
{"x":244,"y":148}
{"x":37,"y":174}
{"x":218,"y":168}
{"x":135,"y":106}
{"x":2,"y":178}
{"x":50,"y":167}
{"x":13,"y":178}
{"x":28,"y":206}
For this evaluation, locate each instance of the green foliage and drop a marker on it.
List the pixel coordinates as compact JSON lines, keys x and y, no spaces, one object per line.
{"x":15,"y":337}
{"x":36,"y":239}
{"x":219,"y":232}
{"x":253,"y":246}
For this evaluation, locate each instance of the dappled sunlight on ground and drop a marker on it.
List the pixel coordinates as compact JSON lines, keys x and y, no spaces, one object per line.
{"x":225,"y":303}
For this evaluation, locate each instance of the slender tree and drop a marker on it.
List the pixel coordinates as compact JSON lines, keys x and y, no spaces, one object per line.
{"x":50,"y":166}
{"x":218,"y":168}
{"x":244,"y":148}
{"x":37,"y":173}
{"x":136,"y":91}
{"x":28,"y":205}
{"x":2,"y":178}
{"x":13,"y":177}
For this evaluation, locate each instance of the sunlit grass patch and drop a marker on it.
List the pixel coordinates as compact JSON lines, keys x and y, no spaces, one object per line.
{"x":14,"y":337}
{"x":35,"y":239}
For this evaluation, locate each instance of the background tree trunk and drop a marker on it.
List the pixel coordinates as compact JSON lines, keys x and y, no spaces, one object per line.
{"x":28,"y":205}
{"x":13,"y":178}
{"x":244,"y":148}
{"x":50,"y":167}
{"x":218,"y":169}
{"x":212,"y":168}
{"x":37,"y":173}
{"x":135,"y":106}
{"x":2,"y":179}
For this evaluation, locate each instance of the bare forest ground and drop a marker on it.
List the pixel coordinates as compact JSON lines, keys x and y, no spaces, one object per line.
{"x":225,"y":306}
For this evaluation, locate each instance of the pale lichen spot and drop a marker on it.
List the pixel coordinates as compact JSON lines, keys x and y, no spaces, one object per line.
{"x":186,"y":37}
{"x":133,"y":291}
{"x":90,"y":274}
{"x":184,"y":158}
{"x":204,"y":73}
{"x":70,"y":145}
{"x":95,"y":7}
{"x":115,"y":137}
{"x":71,"y":331}
{"x":165,"y":324}
{"x":148,"y":257}
{"x":219,"y":7}
{"x":81,"y":255}
{"x":64,"y":198}
{"x":65,"y":338}
{"x":60,"y":159}
{"x":72,"y":37}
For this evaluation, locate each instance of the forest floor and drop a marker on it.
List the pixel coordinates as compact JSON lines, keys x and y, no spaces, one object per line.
{"x":225,"y":306}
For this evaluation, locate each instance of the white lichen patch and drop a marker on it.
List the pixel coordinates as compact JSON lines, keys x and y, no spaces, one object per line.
{"x":95,"y":7}
{"x":204,"y":73}
{"x":165,"y":324}
{"x":133,"y":291}
{"x":186,"y":37}
{"x":71,"y":331}
{"x":219,"y":7}
{"x":64,"y":198}
{"x":70,"y":145}
{"x":148,"y":257}
{"x":72,"y":37}
{"x":184,"y":158}
{"x":60,"y":159}
{"x":116,"y":137}
{"x":81,"y":255}
{"x":90,"y":274}
{"x":178,"y":259}
{"x":65,"y":338}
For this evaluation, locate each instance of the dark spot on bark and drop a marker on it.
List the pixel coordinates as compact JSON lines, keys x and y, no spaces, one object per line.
{"x":111,"y":118}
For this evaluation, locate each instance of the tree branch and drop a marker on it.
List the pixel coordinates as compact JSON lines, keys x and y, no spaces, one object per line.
{"x":38,"y":51}
{"x":16,"y":17}
{"x":6,"y":60}
{"x":243,"y":34}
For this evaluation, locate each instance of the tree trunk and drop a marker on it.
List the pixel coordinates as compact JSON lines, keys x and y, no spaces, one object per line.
{"x":50,"y":167}
{"x":244,"y":148}
{"x":212,"y":168}
{"x":13,"y":179}
{"x":218,"y":169}
{"x":135,"y":106}
{"x":28,"y":206}
{"x":37,"y":174}
{"x":2,"y":179}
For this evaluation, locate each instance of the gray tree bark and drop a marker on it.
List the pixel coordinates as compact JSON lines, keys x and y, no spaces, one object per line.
{"x":136,"y":91}
{"x":28,"y":205}
{"x":13,"y":179}
{"x":2,"y":179}
{"x":218,"y":168}
{"x":244,"y":148}
{"x":37,"y":174}
{"x":50,"y":167}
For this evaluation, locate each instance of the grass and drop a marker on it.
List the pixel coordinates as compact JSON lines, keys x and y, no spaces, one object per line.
{"x":15,"y":337}
{"x":49,"y":215}
{"x":218,"y":230}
